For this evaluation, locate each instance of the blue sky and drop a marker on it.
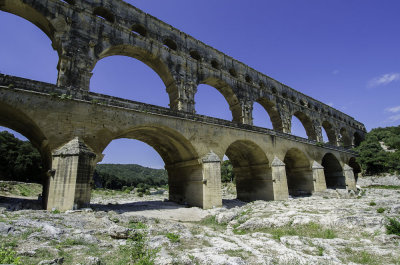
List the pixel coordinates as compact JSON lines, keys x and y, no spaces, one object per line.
{"x":344,"y":52}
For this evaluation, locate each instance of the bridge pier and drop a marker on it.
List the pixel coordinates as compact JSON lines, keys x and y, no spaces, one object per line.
{"x":279,"y":180}
{"x":196,"y":184}
{"x":349,"y":177}
{"x":318,"y":177}
{"x":72,"y":169}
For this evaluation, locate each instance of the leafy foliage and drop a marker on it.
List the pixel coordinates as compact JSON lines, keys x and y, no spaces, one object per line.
{"x":8,"y":256}
{"x":393,"y":226}
{"x":227,"y":174}
{"x":120,"y":176}
{"x":373,"y":158}
{"x":19,"y":160}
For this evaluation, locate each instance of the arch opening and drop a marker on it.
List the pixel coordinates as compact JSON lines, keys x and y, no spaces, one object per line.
{"x":146,"y":83}
{"x":212,"y":104}
{"x":39,"y":62}
{"x":184,"y":172}
{"x":252,"y":172}
{"x":261,"y":116}
{"x":356,"y":167}
{"x":299,"y":173}
{"x":330,"y":133}
{"x":307,"y":124}
{"x":104,"y":13}
{"x":333,"y":171}
{"x":271,"y":109}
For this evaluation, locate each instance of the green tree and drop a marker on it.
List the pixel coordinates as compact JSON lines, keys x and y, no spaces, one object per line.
{"x":227,"y":174}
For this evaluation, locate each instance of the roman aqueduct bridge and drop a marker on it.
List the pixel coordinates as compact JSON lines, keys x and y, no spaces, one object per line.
{"x":71,"y":126}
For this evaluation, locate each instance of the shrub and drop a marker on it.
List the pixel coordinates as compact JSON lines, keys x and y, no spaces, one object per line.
{"x":393,"y":227}
{"x":372,"y":203}
{"x":380,"y":210}
{"x":8,"y":256}
{"x":174,"y":238}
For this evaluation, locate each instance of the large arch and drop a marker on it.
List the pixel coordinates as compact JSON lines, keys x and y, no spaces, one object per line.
{"x":19,"y":8}
{"x":229,"y":95}
{"x":307,"y":124}
{"x":180,"y":158}
{"x":334,"y":175}
{"x":273,"y":113}
{"x":330,"y":132}
{"x":151,"y":60}
{"x":298,"y":172}
{"x":252,"y":171}
{"x":356,"y":167}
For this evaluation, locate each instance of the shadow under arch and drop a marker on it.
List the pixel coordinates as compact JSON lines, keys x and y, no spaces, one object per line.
{"x":151,"y":60}
{"x":345,"y":138}
{"x":333,"y":171}
{"x":252,"y":171}
{"x":19,"y":8}
{"x":298,"y":172}
{"x":229,"y":95}
{"x":307,"y":124}
{"x":180,"y":158}
{"x":355,"y":166}
{"x":330,"y":132}
{"x":357,"y":139}
{"x":273,"y":113}
{"x":18,"y":121}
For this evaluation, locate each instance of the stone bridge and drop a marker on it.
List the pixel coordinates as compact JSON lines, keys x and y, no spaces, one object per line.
{"x":71,"y":126}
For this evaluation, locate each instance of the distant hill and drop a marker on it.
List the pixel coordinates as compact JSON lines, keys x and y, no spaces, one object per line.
{"x":380,"y":151}
{"x":116,"y":176}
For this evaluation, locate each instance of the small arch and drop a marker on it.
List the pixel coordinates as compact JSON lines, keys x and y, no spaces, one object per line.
{"x":261,"y":85}
{"x":229,"y":95}
{"x":307,"y":124}
{"x":139,"y":30}
{"x":298,"y":173}
{"x":284,"y":95}
{"x":345,"y":138}
{"x":252,"y":171}
{"x":195,"y":55}
{"x":316,"y":108}
{"x":273,"y":89}
{"x":170,"y":44}
{"x":293,"y":98}
{"x":309,"y":105}
{"x":248,"y":79}
{"x":302,"y":102}
{"x":333,"y":171}
{"x":215,"y":64}
{"x":233,"y":72}
{"x":357,"y":139}
{"x":330,"y":132}
{"x":273,"y":113}
{"x":104,"y":13}
{"x":356,"y":167}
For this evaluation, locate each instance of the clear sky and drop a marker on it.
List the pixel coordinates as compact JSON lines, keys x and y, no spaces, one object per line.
{"x":345,"y":53}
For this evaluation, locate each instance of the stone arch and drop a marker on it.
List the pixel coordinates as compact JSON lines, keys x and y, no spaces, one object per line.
{"x":298,"y":172}
{"x":252,"y":171}
{"x":330,"y":132}
{"x":355,"y":166}
{"x":229,"y":95}
{"x":19,"y":8}
{"x":333,"y":171}
{"x":180,"y":158}
{"x":307,"y":124}
{"x":357,"y":139}
{"x":151,"y":60}
{"x":345,"y":138}
{"x":273,"y":113}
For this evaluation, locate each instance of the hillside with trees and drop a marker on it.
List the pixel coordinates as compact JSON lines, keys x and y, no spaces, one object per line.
{"x":380,"y":151}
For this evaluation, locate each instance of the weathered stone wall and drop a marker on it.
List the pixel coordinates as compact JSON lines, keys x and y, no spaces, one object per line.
{"x":85,"y":31}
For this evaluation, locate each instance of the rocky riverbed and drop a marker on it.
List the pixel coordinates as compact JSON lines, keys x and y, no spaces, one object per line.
{"x":334,"y":227}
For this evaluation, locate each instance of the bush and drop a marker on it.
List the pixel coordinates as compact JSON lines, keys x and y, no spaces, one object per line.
{"x":8,"y":256}
{"x":393,"y":227}
{"x":372,"y":203}
{"x":380,"y":210}
{"x":174,"y":238}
